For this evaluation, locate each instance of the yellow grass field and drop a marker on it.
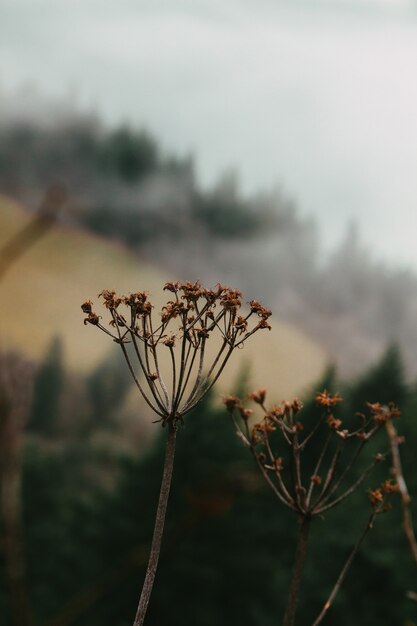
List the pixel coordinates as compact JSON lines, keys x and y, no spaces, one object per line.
{"x":42,"y":291}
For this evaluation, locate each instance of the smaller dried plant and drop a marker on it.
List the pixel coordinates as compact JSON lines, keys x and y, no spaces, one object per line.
{"x":173,"y":386}
{"x":312,"y":484}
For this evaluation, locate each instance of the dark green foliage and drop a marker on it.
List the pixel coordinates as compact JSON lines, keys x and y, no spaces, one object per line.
{"x":383,"y":568}
{"x":224,"y":213}
{"x":107,"y":387}
{"x":229,"y":545}
{"x":47,"y":392}
{"x":128,"y":155}
{"x":131,"y":226}
{"x":74,"y":152}
{"x":128,"y":189}
{"x":220,"y":536}
{"x":62,"y":557}
{"x":384,"y":383}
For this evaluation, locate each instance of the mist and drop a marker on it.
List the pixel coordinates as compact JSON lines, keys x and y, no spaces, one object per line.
{"x":123,"y":185}
{"x":323,"y":104}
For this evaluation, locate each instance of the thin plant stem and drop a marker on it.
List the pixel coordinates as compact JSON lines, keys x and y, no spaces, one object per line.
{"x":298,"y":486}
{"x":317,"y":469}
{"x":345,"y":569}
{"x":208,"y":384}
{"x":331,"y":472}
{"x":158,"y":528}
{"x":187,"y":377}
{"x":305,"y":441}
{"x":174,"y":378}
{"x":286,"y":498}
{"x":146,"y":372}
{"x":137,"y":383}
{"x":198,"y":376}
{"x":297,"y":572}
{"x":281,"y":483}
{"x":183,"y":364}
{"x":152,"y":345}
{"x":345,"y":494}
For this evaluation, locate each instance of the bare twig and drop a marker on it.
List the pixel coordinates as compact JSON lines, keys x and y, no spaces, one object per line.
{"x":402,"y":486}
{"x":345,"y":569}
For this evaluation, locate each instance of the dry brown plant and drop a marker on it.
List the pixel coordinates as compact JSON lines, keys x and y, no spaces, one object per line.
{"x":311,"y":488}
{"x":194,"y":319}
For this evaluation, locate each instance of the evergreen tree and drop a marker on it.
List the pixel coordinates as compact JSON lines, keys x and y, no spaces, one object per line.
{"x":384,"y":383}
{"x":107,"y":387}
{"x":129,"y":155}
{"x":47,"y":391}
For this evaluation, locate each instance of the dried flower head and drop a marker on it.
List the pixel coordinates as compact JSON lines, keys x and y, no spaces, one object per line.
{"x":380,"y":497}
{"x":376,"y":496}
{"x":193,"y":316}
{"x":231,"y":402}
{"x":311,"y":486}
{"x":326,"y":399}
{"x":258,"y":396}
{"x":382,"y":413}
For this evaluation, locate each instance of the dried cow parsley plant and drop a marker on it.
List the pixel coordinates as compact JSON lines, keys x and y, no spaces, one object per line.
{"x":310,"y":485}
{"x":197,"y":329}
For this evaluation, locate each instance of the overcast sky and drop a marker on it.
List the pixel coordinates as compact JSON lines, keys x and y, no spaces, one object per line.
{"x":319,"y":98}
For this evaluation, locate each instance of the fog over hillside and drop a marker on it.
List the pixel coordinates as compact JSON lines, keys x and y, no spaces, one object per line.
{"x":122,"y":185}
{"x":318,"y":96}
{"x":350,"y":302}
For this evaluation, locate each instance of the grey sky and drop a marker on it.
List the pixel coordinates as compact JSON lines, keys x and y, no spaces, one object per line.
{"x":317,"y":97}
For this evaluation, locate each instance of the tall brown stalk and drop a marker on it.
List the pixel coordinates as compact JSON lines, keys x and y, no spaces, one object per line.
{"x":182,"y":330}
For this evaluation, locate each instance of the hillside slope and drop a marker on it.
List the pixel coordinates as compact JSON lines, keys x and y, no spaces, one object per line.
{"x":42,"y":292}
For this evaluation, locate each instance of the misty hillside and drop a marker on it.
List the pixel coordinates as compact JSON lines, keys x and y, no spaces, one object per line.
{"x":122,"y":185}
{"x":68,"y":266}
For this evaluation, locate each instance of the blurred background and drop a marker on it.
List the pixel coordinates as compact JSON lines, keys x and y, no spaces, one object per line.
{"x":271,"y":146}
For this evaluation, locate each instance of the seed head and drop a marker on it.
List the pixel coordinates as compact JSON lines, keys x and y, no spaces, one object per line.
{"x":193,"y":316}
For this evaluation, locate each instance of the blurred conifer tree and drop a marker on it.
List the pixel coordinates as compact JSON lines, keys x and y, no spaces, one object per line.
{"x":47,"y":391}
{"x":229,"y":545}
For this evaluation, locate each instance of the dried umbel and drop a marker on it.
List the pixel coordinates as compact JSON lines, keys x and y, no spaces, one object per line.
{"x":198,"y":329}
{"x":183,"y":328}
{"x":312,"y":484}
{"x":295,"y":483}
